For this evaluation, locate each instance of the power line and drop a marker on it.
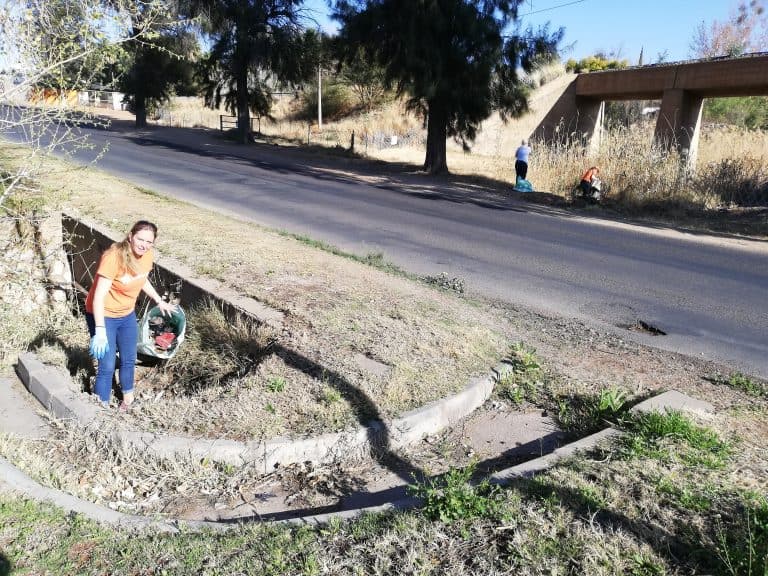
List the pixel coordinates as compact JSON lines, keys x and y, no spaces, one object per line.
{"x":551,"y":8}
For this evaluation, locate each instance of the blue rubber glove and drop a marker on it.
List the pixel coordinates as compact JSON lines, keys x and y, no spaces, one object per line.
{"x":99,"y":344}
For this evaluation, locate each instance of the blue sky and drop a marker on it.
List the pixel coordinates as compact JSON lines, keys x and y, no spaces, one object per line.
{"x":621,"y":27}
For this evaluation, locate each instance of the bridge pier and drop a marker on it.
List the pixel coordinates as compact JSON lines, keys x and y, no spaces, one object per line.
{"x":679,"y":124}
{"x":572,"y":117}
{"x":590,"y":114}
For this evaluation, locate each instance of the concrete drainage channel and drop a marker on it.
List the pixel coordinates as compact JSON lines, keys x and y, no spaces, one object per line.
{"x":54,"y":390}
{"x":45,"y":383}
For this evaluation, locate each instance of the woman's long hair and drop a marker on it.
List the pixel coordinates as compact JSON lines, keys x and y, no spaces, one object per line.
{"x":125,"y":257}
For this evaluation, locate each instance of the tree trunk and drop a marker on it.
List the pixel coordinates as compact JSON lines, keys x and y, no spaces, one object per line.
{"x":435,"y":161}
{"x":241,"y":84}
{"x":140,"y":105}
{"x":243,"y":114}
{"x":139,"y":95}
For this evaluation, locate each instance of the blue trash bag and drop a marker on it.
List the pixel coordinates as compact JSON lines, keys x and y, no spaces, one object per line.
{"x":522,"y":185}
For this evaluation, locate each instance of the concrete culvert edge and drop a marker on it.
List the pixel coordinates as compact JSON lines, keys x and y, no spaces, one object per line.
{"x":16,"y":481}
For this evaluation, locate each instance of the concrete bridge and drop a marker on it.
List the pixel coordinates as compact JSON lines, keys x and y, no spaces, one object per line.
{"x":681,"y":87}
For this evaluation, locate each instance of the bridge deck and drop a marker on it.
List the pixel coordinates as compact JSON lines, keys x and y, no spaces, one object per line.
{"x":744,"y":76}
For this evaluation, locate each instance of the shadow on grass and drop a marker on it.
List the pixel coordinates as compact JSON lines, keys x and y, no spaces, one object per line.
{"x":680,"y":541}
{"x":366,"y":411}
{"x":78,"y":357}
{"x":5,"y":565}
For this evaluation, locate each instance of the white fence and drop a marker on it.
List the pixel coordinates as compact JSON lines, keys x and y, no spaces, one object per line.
{"x":101,"y":99}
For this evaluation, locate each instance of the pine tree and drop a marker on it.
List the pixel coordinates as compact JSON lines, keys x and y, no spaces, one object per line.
{"x":450,"y":57}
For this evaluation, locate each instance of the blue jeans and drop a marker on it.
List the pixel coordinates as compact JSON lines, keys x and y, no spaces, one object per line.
{"x":121,"y":335}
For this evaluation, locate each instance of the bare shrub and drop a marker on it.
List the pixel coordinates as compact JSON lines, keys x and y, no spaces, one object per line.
{"x":216,"y":349}
{"x":734,"y":181}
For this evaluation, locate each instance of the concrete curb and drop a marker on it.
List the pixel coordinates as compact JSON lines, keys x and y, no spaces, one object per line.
{"x":54,"y":389}
{"x":12,"y":479}
{"x":666,"y":401}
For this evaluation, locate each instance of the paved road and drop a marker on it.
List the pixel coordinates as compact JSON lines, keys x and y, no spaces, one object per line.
{"x":707,"y":294}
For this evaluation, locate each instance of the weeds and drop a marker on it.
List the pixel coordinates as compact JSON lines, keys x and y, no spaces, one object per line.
{"x":276,"y":384}
{"x":523,"y":381}
{"x":586,"y":414}
{"x":652,"y":434}
{"x":733,"y":181}
{"x":373,"y":259}
{"x":445,"y":282}
{"x":453,"y":497}
{"x":642,"y":566}
{"x":741,"y":382}
{"x":331,"y":396}
{"x":695,"y":498}
{"x":611,"y":401}
{"x":743,"y":547}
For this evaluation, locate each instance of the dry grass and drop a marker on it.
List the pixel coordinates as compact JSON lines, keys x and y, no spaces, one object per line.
{"x":606,"y":512}
{"x":429,"y":341}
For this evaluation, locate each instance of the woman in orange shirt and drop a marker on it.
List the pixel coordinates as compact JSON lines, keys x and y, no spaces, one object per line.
{"x":122,"y":273}
{"x":587,"y":179}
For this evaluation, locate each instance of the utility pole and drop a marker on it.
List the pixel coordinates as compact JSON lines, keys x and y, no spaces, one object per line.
{"x":319,"y":97}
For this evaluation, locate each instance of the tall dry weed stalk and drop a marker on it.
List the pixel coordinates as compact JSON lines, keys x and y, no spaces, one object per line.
{"x":633,"y":171}
{"x":638,"y":174}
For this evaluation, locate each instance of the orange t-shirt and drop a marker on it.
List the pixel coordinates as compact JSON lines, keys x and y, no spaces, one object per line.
{"x":589,"y":174}
{"x":122,"y":295}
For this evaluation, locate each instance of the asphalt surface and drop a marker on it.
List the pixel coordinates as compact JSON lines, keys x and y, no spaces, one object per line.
{"x":707,"y":294}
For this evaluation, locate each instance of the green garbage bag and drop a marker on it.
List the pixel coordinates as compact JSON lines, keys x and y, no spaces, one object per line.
{"x":160,"y":336}
{"x":522,"y":185}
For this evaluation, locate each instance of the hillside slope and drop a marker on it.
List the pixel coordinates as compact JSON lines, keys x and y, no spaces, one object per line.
{"x":496,"y":138}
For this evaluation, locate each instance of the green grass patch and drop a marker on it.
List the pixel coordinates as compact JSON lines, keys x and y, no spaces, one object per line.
{"x":742,"y":541}
{"x":373,"y":259}
{"x":276,"y":384}
{"x":673,"y":436}
{"x":685,"y":495}
{"x":589,"y":413}
{"x":523,"y":379}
